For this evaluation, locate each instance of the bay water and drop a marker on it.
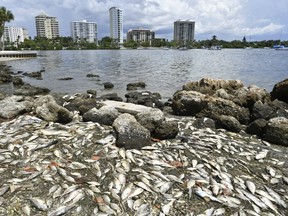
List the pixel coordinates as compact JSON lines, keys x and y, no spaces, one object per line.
{"x":163,"y":71}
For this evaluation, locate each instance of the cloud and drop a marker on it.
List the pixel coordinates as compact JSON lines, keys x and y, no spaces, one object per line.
{"x":231,"y":19}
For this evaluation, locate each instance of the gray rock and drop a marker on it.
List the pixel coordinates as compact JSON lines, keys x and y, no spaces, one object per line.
{"x":257,"y":127}
{"x":129,"y":133}
{"x":276,"y":131}
{"x":108,"y":85}
{"x":92,"y":92}
{"x":28,"y":90}
{"x":150,"y":118}
{"x":229,"y":123}
{"x":13,"y":106}
{"x":262,"y":110}
{"x":112,"y":96}
{"x":280,"y":91}
{"x":145,"y":98}
{"x":49,"y":110}
{"x":82,"y":103}
{"x":167,"y":130}
{"x":105,"y":115}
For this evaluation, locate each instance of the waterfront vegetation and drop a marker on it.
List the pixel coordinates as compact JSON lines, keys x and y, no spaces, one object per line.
{"x":60,"y":43}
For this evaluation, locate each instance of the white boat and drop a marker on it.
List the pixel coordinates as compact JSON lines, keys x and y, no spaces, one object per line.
{"x":216,"y":47}
{"x":280,"y":47}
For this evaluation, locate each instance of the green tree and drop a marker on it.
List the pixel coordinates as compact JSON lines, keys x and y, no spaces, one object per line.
{"x":5,"y":16}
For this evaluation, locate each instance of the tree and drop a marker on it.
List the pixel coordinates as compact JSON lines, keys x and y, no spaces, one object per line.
{"x":5,"y":16}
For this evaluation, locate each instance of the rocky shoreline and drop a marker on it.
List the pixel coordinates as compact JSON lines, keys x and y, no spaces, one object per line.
{"x":210,"y":150}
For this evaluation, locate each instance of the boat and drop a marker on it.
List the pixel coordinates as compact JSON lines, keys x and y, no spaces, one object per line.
{"x":280,"y":47}
{"x":216,"y":47}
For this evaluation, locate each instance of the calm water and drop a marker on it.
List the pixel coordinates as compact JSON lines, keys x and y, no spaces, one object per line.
{"x":164,"y":71}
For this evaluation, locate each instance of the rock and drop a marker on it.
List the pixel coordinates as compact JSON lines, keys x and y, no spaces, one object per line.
{"x":50,"y":111}
{"x":66,"y":78}
{"x":108,"y":85}
{"x":150,"y":118}
{"x":36,"y":74}
{"x":13,"y":106}
{"x":280,"y":91}
{"x":92,"y":75}
{"x":28,"y":90}
{"x":124,"y":107}
{"x":5,"y":77}
{"x":145,"y":98}
{"x":248,"y":96}
{"x":229,"y":123}
{"x":276,"y":131}
{"x":2,"y":96}
{"x":92,"y":92}
{"x":17,"y":81}
{"x":200,"y":105}
{"x":210,"y":86}
{"x":105,"y":115}
{"x":134,"y":86}
{"x":204,"y":122}
{"x":129,"y":133}
{"x":167,"y":130}
{"x":112,"y":96}
{"x":79,"y":102}
{"x":257,"y":127}
{"x":263,"y":111}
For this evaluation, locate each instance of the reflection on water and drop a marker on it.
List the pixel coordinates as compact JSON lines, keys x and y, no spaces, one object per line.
{"x":163,"y":71}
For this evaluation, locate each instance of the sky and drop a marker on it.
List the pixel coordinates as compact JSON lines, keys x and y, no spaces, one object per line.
{"x":227,"y":19}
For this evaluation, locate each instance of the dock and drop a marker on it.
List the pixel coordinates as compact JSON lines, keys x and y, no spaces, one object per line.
{"x":15,"y":55}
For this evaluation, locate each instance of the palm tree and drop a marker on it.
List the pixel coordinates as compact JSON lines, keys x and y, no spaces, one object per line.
{"x":5,"y":16}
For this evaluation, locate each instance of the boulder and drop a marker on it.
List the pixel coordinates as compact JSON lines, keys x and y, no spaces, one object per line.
{"x":145,"y":98}
{"x":262,"y":110}
{"x":210,"y":86}
{"x":108,"y":85}
{"x":129,"y":133}
{"x":17,"y":81}
{"x":34,"y":74}
{"x":105,"y":115}
{"x":229,"y":123}
{"x":248,"y":96}
{"x":167,"y":130}
{"x":200,"y":105}
{"x":48,"y":110}
{"x":257,"y":127}
{"x":29,"y":90}
{"x":150,"y":118}
{"x":276,"y":131}
{"x":112,"y":96}
{"x":81,"y":103}
{"x":134,"y":86}
{"x":280,"y":91}
{"x":13,"y":106}
{"x":92,"y":92}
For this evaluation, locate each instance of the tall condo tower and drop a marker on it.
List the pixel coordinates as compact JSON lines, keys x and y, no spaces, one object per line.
{"x":184,"y":30}
{"x":116,"y":24}
{"x":83,"y":30}
{"x":47,"y":26}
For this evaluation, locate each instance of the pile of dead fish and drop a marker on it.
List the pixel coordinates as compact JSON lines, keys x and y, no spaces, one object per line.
{"x":76,"y":169}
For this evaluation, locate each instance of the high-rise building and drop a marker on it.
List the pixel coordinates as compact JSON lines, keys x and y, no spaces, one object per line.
{"x":184,"y":30}
{"x":83,"y":30}
{"x":141,"y":35}
{"x":116,"y":24}
{"x":15,"y":34}
{"x":47,"y":26}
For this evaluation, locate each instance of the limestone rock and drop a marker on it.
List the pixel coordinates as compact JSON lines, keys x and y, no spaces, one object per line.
{"x":150,"y":118}
{"x":257,"y":127}
{"x":129,"y":133}
{"x":167,"y":130}
{"x":229,"y":123}
{"x":13,"y":106}
{"x":276,"y":131}
{"x":105,"y":115}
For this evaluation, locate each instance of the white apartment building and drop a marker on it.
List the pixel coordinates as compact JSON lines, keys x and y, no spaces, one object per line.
{"x":184,"y":30}
{"x":47,"y":26}
{"x":15,"y":34}
{"x":116,"y":24}
{"x":83,"y":30}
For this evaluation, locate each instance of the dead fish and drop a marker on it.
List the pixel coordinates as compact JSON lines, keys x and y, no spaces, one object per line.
{"x":60,"y":210}
{"x":251,"y":186}
{"x":39,"y":203}
{"x":204,"y":195}
{"x":261,"y":155}
{"x":276,"y":196}
{"x":126,"y":191}
{"x":219,"y":211}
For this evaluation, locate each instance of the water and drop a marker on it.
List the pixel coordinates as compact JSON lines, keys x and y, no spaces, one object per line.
{"x":163,"y":71}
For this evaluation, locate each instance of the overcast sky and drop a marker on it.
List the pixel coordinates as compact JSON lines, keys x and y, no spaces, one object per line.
{"x":227,"y":19}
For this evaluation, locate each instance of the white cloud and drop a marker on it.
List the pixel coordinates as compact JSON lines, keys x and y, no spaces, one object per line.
{"x":228,"y":18}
